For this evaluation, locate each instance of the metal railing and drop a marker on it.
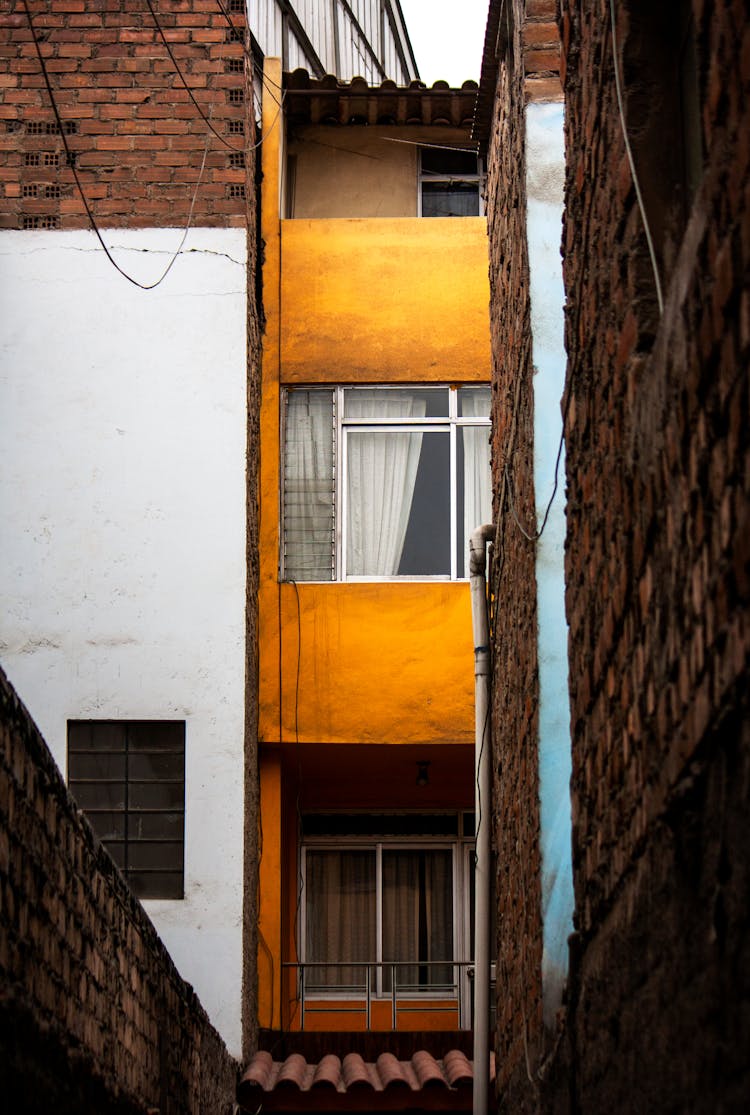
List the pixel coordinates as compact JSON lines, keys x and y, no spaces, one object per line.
{"x":378,"y":981}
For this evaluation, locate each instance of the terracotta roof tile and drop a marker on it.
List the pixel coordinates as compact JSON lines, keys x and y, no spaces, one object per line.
{"x":328,"y":101}
{"x":422,"y":1083}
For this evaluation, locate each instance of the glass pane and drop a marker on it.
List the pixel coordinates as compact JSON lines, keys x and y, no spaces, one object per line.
{"x":103,"y":735}
{"x":474,"y":495}
{"x":156,"y":855}
{"x":107,"y":826}
{"x":155,"y":826}
{"x":450,"y":199}
{"x":379,"y":403}
{"x":159,"y":764}
{"x":117,"y":852}
{"x":474,"y":402}
{"x":156,"y":884}
{"x":418,"y":918}
{"x":308,"y":487}
{"x":153,"y":735}
{"x":441,"y":161}
{"x":398,"y":503}
{"x":98,"y":795}
{"x":156,"y":795}
{"x":96,"y":766}
{"x":340,"y":917}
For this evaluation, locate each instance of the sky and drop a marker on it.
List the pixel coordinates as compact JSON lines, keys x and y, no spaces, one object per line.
{"x":447,"y":37}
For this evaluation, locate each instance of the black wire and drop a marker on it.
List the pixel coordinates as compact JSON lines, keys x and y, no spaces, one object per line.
{"x":182,"y":78}
{"x":71,"y":163}
{"x":299,"y":659}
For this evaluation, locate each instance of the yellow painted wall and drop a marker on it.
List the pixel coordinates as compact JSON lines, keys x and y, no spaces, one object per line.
{"x":354,"y":300}
{"x":353,"y":172}
{"x":367,"y":663}
{"x":360,"y":172}
{"x":385,"y":300}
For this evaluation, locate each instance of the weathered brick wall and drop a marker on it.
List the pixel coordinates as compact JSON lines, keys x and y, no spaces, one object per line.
{"x":94,"y":1017}
{"x":658,"y":583}
{"x":252,"y":791}
{"x":145,"y":149}
{"x":520,"y":64}
{"x":515,"y":707}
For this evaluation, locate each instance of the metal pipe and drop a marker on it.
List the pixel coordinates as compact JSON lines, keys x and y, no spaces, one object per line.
{"x":477,"y":572}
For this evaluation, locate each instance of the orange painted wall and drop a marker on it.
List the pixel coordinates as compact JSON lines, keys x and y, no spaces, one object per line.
{"x":382,"y":300}
{"x":385,"y":300}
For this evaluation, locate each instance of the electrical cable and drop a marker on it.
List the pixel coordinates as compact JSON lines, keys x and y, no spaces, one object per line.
{"x":631,"y":161}
{"x":70,"y":158}
{"x":182,"y":78}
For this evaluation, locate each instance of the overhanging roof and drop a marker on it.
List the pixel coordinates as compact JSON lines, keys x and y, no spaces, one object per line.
{"x":421,"y":1084}
{"x":328,"y":101}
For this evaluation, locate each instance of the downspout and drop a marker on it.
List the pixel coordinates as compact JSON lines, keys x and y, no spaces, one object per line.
{"x":482,"y":758}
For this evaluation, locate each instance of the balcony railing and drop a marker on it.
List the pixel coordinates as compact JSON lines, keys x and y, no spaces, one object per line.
{"x":361,"y":984}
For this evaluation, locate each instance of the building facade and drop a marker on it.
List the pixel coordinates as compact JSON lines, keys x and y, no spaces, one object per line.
{"x":655,"y":266}
{"x":374,"y":466}
{"x":125,"y":381}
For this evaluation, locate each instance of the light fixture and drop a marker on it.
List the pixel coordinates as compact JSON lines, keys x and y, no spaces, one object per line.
{"x":423,"y":774}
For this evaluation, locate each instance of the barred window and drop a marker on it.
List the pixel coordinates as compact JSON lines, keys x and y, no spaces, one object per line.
{"x":128,"y":777}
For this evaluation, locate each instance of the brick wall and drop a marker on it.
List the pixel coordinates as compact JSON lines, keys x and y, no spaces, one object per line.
{"x":657,"y":570}
{"x":513,"y":582}
{"x":154,"y":118}
{"x":520,"y":64}
{"x":94,"y":1017}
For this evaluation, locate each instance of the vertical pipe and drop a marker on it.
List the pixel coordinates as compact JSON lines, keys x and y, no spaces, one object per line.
{"x":477,"y":564}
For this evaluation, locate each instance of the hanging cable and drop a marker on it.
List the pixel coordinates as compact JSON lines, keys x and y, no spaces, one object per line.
{"x":182,"y":78}
{"x":631,"y":161}
{"x":70,"y":159}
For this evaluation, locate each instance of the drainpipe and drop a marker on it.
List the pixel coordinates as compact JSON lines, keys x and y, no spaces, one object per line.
{"x":477,"y":566}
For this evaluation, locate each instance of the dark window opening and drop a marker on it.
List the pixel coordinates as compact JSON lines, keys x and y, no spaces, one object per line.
{"x":128,"y":777}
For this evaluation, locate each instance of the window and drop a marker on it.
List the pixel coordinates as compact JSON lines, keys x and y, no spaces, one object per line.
{"x":384,"y":901}
{"x":128,"y":777}
{"x":449,"y":183}
{"x":413,"y":481}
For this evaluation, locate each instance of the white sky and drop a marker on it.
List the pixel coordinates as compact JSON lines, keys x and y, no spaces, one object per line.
{"x":447,"y":37}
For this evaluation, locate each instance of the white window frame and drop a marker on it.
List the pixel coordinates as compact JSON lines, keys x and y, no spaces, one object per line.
{"x":461,"y":849}
{"x":449,"y":423}
{"x":433,"y":177}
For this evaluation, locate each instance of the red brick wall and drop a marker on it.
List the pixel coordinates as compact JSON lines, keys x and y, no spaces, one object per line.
{"x":94,"y":1018}
{"x":515,"y":680}
{"x":658,"y":577}
{"x":136,"y":136}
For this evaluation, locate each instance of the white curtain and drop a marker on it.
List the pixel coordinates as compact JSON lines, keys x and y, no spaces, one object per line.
{"x":477,"y":476}
{"x":340,"y":916}
{"x":308,"y":486}
{"x":417,"y":916}
{"x":382,"y":470}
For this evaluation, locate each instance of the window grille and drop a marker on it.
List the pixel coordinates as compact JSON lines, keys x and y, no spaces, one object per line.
{"x":128,"y":777}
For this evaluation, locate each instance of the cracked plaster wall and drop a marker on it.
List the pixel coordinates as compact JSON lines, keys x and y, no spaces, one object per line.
{"x":123,"y":463}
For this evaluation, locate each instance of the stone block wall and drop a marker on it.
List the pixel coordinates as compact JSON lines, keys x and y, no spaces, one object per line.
{"x":94,"y":1017}
{"x":658,"y":557}
{"x":140,"y":106}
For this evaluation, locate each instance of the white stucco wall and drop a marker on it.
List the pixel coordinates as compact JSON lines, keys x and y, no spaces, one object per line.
{"x":545,"y":162}
{"x":122,"y":503}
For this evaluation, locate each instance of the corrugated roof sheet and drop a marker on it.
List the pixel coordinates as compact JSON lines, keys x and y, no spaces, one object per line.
{"x":329,"y":101}
{"x":353,"y":1084}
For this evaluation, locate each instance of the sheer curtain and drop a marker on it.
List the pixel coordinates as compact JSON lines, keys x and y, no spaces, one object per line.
{"x":340,"y":916}
{"x":417,"y":916}
{"x":477,"y":476}
{"x":308,"y":486}
{"x":382,"y":469}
